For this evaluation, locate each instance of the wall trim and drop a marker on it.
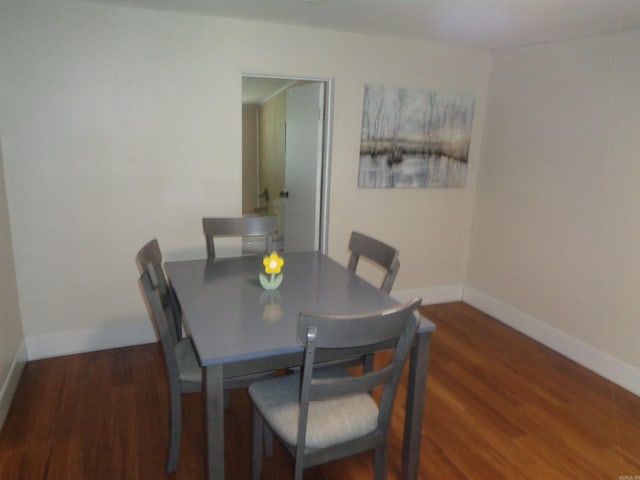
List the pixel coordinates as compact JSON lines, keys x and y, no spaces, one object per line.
{"x":11,"y":383}
{"x":81,"y":341}
{"x":600,"y":362}
{"x":431,"y":295}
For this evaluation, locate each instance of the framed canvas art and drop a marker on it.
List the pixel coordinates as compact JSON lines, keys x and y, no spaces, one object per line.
{"x":414,"y":138}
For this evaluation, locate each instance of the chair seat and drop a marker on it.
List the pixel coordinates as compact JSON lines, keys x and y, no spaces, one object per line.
{"x":330,"y":421}
{"x":188,"y":367}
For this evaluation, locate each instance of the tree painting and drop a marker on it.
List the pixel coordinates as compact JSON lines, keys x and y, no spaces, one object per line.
{"x":414,"y":138}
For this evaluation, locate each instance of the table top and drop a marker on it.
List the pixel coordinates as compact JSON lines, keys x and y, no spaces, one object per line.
{"x":231,"y":318}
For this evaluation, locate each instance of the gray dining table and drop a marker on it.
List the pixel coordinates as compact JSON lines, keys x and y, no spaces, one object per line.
{"x":238,"y":328}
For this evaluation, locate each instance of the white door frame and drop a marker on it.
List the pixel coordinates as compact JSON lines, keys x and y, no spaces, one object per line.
{"x":326,"y":148}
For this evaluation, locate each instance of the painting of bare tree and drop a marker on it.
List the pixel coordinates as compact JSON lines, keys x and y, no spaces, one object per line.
{"x":414,"y":138}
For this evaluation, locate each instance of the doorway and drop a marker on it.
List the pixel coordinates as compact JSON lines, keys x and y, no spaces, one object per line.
{"x":286,"y":156}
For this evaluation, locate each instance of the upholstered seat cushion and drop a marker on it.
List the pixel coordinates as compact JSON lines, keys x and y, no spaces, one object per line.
{"x":190,"y":370}
{"x":330,"y":421}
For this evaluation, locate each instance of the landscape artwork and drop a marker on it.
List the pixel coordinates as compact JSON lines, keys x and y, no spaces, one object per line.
{"x":414,"y":138}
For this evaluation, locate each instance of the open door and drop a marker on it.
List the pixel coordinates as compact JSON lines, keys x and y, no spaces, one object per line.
{"x":286,"y":136}
{"x":301,"y":197}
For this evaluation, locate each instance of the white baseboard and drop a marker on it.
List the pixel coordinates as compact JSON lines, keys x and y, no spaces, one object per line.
{"x":80,"y":341}
{"x":450,"y":293}
{"x":602,"y":363}
{"x":69,"y":342}
{"x":11,"y":383}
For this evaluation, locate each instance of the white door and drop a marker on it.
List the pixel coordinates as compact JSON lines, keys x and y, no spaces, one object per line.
{"x":303,"y":164}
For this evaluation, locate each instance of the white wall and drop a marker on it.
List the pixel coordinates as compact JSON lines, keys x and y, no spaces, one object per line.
{"x":122,"y":124}
{"x":555,"y":248}
{"x":12,"y":354}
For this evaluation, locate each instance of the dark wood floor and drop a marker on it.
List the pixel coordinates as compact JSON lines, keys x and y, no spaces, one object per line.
{"x":498,"y":406}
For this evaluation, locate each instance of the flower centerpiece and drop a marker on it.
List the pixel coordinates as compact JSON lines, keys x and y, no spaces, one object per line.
{"x":272,"y":266}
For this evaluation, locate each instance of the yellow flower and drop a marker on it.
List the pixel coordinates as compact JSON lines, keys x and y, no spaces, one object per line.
{"x":273,"y":263}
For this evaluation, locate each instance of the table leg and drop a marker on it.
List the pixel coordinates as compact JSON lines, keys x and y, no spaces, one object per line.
{"x":418,"y":363}
{"x":213,"y":395}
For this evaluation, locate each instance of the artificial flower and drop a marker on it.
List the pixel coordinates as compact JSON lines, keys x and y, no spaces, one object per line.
{"x":273,"y":263}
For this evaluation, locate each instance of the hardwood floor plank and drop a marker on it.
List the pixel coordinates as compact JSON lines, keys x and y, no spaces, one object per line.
{"x":498,"y":406}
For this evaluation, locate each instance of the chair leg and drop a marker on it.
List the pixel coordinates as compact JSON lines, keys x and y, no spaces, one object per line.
{"x":175,"y":428}
{"x":299,"y":470}
{"x":258,"y":434}
{"x":268,"y":441}
{"x":368,"y":363}
{"x":380,"y":463}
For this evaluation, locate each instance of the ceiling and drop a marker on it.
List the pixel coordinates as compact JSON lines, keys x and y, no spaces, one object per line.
{"x":488,"y":24}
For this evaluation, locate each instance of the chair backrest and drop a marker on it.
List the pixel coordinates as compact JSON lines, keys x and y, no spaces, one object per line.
{"x":162,"y":325}
{"x":378,"y":252}
{"x":394,"y":328}
{"x":249,"y":226}
{"x":149,"y":260}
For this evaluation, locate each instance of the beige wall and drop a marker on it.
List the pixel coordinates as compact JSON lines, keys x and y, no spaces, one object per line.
{"x":123,"y":124}
{"x":556,"y":235}
{"x":273,"y":116}
{"x":11,"y":335}
{"x":249,"y":159}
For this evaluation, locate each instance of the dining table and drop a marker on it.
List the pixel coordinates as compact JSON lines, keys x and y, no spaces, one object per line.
{"x":239,"y":328}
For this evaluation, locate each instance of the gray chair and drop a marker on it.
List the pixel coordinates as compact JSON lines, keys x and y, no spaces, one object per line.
{"x":249,"y":226}
{"x":378,"y":252}
{"x":328,"y":413}
{"x":183,"y":370}
{"x":149,"y":258}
